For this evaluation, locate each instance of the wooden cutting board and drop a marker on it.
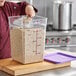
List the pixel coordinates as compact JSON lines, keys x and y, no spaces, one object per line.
{"x":15,"y":68}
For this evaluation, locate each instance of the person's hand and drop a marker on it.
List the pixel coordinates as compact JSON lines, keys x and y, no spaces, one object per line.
{"x":29,"y":10}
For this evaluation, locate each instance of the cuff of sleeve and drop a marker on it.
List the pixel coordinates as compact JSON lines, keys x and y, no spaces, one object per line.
{"x":36,"y":10}
{"x":23,"y":6}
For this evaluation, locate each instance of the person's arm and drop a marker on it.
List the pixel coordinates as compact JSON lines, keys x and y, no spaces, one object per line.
{"x":21,"y":8}
{"x":28,"y":9}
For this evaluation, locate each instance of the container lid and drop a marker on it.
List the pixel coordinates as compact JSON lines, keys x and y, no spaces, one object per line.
{"x":59,"y":57}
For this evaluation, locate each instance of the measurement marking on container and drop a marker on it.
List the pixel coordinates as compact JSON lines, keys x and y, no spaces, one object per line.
{"x":36,"y":40}
{"x":39,"y":45}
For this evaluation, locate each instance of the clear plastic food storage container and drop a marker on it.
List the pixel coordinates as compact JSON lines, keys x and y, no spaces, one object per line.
{"x":27,"y":37}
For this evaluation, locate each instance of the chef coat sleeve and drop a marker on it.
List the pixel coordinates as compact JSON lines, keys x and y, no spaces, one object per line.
{"x":19,"y":8}
{"x":23,"y":6}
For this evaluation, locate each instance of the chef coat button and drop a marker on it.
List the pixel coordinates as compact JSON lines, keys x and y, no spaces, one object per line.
{"x":14,"y":7}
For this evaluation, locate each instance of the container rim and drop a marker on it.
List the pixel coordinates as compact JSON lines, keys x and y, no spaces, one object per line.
{"x":27,"y":16}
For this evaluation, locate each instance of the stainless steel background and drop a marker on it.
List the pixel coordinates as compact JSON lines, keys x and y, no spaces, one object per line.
{"x":73,"y":11}
{"x":62,"y":15}
{"x":65,"y":16}
{"x":45,"y":8}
